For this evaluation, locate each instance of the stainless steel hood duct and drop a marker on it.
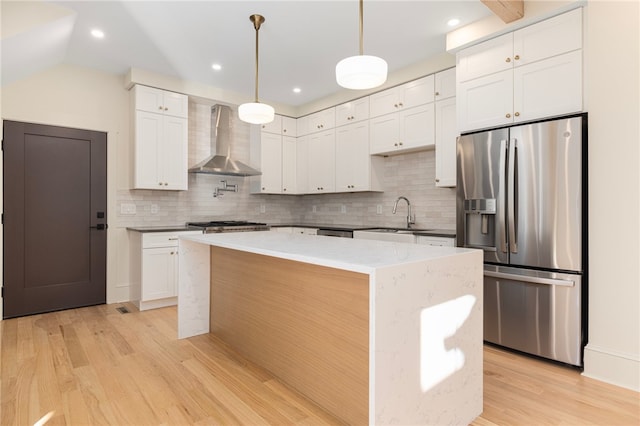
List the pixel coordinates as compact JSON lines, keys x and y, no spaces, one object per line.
{"x":221,"y":162}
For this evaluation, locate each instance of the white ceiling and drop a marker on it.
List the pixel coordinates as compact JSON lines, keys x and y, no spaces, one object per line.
{"x":300,"y":42}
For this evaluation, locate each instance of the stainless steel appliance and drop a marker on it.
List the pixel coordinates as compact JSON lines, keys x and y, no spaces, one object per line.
{"x":217,"y":226}
{"x":521,"y":198}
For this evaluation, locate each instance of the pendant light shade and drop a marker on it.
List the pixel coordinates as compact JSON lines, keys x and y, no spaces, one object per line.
{"x":256,"y":112}
{"x":362,"y":71}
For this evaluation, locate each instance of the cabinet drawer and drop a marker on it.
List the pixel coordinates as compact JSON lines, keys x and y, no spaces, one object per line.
{"x":435,"y":241}
{"x":164,"y":239}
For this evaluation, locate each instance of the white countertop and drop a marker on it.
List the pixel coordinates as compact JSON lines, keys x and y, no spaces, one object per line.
{"x":363,"y":256}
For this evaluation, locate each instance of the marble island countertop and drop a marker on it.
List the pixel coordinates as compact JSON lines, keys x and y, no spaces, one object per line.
{"x":343,"y":253}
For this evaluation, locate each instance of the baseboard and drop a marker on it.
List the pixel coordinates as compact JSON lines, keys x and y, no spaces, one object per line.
{"x":617,"y":368}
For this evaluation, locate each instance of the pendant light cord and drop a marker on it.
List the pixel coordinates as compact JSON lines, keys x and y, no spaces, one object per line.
{"x":257,"y":21}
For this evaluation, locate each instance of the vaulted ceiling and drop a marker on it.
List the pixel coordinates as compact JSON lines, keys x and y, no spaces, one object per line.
{"x":300,"y":42}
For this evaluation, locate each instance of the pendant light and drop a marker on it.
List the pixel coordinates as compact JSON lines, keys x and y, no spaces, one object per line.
{"x":362,"y":71}
{"x":256,"y":112}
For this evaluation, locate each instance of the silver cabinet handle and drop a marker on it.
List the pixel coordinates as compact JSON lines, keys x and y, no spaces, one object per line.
{"x":513,"y":196}
{"x":533,"y":280}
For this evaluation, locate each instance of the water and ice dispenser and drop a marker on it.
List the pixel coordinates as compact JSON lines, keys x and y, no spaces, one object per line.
{"x":480,"y":222}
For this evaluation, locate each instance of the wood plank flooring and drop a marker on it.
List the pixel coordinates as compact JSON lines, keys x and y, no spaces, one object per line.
{"x":96,"y":366}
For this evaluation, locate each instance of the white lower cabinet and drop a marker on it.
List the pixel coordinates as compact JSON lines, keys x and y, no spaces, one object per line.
{"x":154,"y":266}
{"x":435,"y":241}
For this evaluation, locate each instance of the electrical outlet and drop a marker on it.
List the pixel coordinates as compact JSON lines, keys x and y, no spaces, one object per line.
{"x":343,"y":209}
{"x":263,"y":208}
{"x":154,"y":209}
{"x":314,"y":209}
{"x":379,"y":209}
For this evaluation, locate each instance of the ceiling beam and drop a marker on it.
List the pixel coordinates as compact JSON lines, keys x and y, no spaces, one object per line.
{"x":507,"y":10}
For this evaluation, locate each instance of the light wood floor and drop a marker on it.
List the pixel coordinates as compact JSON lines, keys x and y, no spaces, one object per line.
{"x":95,"y":366}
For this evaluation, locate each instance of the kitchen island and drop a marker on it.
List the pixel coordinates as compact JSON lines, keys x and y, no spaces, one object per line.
{"x":374,"y":332}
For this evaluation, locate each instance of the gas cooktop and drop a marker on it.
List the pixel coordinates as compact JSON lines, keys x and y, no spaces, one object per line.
{"x":228,"y":226}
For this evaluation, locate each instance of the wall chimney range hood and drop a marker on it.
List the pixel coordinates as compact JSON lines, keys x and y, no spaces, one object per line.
{"x":221,"y":162}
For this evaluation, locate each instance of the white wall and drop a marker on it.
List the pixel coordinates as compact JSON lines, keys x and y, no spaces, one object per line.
{"x":612,"y":60}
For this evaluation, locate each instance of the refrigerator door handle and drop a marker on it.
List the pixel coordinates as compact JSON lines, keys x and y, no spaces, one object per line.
{"x":501,"y":225}
{"x":528,"y":279}
{"x":512,"y":184}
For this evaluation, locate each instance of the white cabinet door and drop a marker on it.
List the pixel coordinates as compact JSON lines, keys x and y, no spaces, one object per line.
{"x":384,"y":134}
{"x":302,"y":165}
{"x":273,"y":127}
{"x":551,"y":37}
{"x":270,"y":163}
{"x":173,"y":163}
{"x":417,"y":92}
{"x":352,"y":112}
{"x":175,"y":104}
{"x":446,"y":134}
{"x":486,"y":58}
{"x":322,"y":166}
{"x":160,"y":101}
{"x":486,"y":101}
{"x":549,"y":87}
{"x":289,"y":126}
{"x":417,"y":127}
{"x":148,"y":136}
{"x":435,"y":241}
{"x":353,"y":162}
{"x":408,"y":95}
{"x":159,"y":273}
{"x":289,"y":165}
{"x":445,"y":84}
{"x":322,"y":120}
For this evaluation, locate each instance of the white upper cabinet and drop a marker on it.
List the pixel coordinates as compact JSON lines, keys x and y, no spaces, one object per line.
{"x":160,"y":101}
{"x":485,"y":58}
{"x":321,"y":120}
{"x":289,"y":126}
{"x":552,"y":37}
{"x":270,"y":163}
{"x":160,"y":139}
{"x":405,"y":96}
{"x":273,"y":127}
{"x":445,"y":84}
{"x":532,"y":73}
{"x":352,"y":112}
{"x":446,"y":134}
{"x":321,"y":162}
{"x":409,"y":130}
{"x":289,"y":165}
{"x":356,"y":170}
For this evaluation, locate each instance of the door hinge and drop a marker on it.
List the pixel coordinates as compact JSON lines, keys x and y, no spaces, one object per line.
{"x":2,"y":145}
{"x":2,"y":219}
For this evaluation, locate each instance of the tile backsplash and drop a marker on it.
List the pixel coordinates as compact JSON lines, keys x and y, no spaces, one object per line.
{"x":410,"y":175}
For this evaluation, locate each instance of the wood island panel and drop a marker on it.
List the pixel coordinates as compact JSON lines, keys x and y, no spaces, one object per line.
{"x":307,"y":324}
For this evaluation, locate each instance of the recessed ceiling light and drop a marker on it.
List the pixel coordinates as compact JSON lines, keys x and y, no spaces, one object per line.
{"x":97,"y":33}
{"x":216,"y":67}
{"x":453,"y":22}
{"x":297,"y":90}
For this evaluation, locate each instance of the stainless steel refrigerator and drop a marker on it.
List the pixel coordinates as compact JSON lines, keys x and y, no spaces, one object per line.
{"x":521,"y":198}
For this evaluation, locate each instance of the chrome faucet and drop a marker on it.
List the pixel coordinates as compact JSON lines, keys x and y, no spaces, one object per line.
{"x":410,"y":218}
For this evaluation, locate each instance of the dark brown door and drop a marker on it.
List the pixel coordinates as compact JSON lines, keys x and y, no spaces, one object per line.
{"x":55,"y":200}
